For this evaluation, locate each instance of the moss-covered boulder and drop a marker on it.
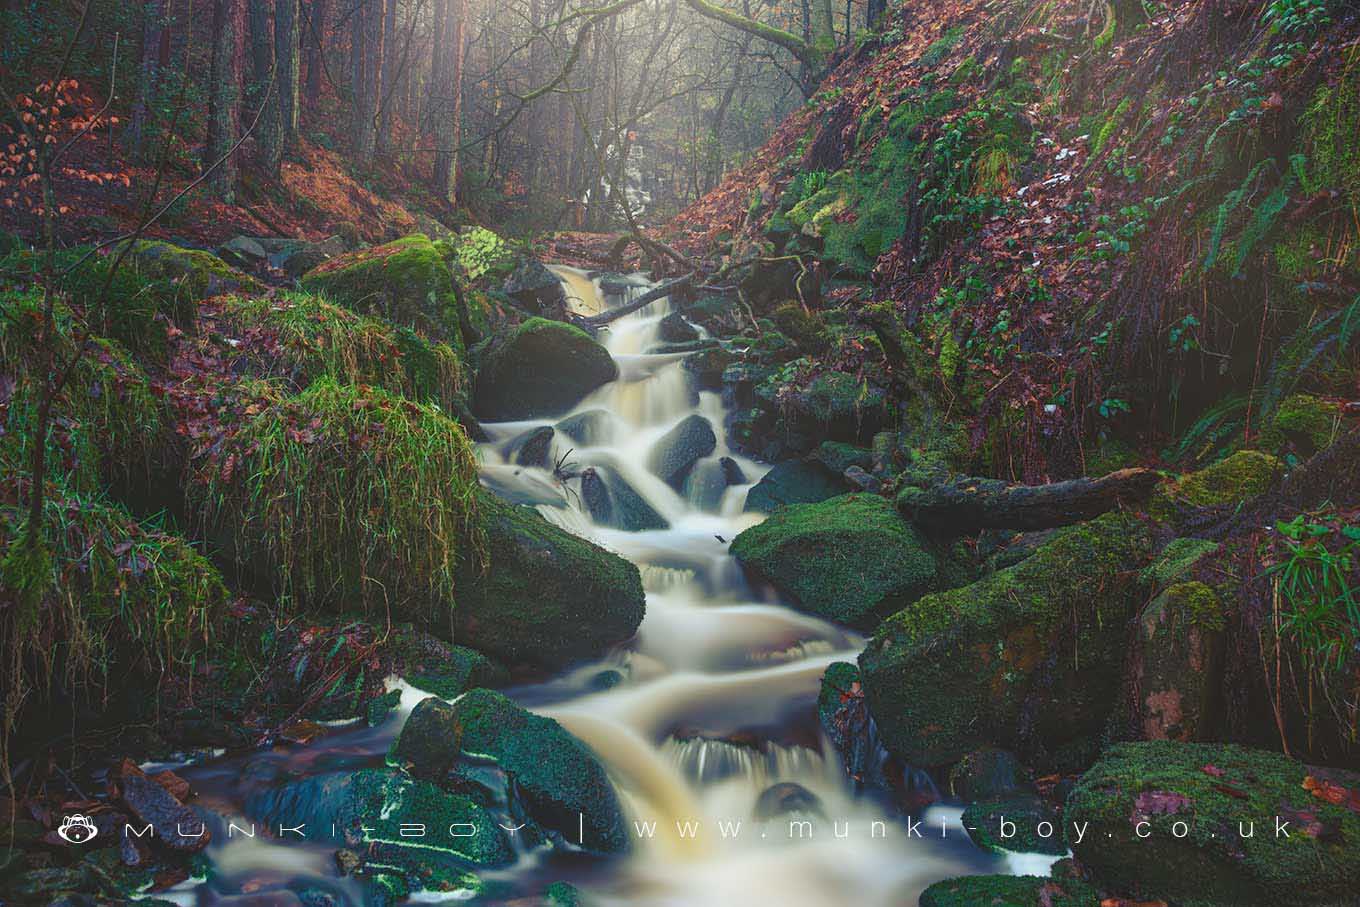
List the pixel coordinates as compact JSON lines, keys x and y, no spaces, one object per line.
{"x":344,"y":497}
{"x":1176,"y":663}
{"x":366,"y":812}
{"x":299,"y":337}
{"x":794,"y":482}
{"x":546,"y":597}
{"x":1026,"y":659}
{"x":196,"y":273}
{"x":829,"y":406}
{"x":989,"y":774}
{"x":1303,"y":424}
{"x":1020,"y":823}
{"x":540,"y":368}
{"x":406,"y":282}
{"x":1010,"y":891}
{"x":851,"y":559}
{"x":1230,"y":481}
{"x":1171,"y":820}
{"x":562,"y":786}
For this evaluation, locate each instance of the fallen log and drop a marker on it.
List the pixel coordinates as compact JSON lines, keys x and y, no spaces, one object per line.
{"x":968,"y":505}
{"x":646,"y":299}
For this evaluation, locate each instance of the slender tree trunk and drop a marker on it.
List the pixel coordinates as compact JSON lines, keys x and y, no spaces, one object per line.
{"x":370,"y":23}
{"x":357,"y":59}
{"x":286,"y":66}
{"x":387,"y":93}
{"x":316,"y":61}
{"x":450,"y":130}
{"x":148,"y":74}
{"x":224,"y":96}
{"x":263,"y":97}
{"x":874,"y":14}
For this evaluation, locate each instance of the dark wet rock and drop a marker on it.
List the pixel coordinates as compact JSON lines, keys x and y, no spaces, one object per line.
{"x":677,"y":451}
{"x":844,"y":717}
{"x":613,"y":502}
{"x":1176,"y":663}
{"x":547,"y":597}
{"x":850,"y":559}
{"x":862,"y":481}
{"x":296,"y":257}
{"x":1027,"y":659}
{"x":174,"y":824}
{"x":838,"y":456}
{"x":364,"y":811}
{"x":446,"y":670}
{"x":795,"y":482}
{"x":1211,"y":788}
{"x":590,"y":428}
{"x":732,"y":471}
{"x":988,"y":773}
{"x":536,"y":289}
{"x":833,"y":406}
{"x":1010,"y":891}
{"x":786,"y":799}
{"x":675,"y":329}
{"x":431,"y":741}
{"x":532,"y":448}
{"x":558,"y":779}
{"x":510,"y":384}
{"x":1023,"y":823}
{"x":707,"y":366}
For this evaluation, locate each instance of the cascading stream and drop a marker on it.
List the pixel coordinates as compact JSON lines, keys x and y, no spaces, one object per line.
{"x":716,"y":703}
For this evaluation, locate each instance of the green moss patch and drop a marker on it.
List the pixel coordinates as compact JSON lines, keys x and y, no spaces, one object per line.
{"x":1194,"y":802}
{"x":511,"y":380}
{"x":300,"y":337}
{"x":406,"y":282}
{"x":851,"y":559}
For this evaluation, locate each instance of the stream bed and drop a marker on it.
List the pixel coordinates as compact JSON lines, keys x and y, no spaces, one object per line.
{"x":709,"y":707}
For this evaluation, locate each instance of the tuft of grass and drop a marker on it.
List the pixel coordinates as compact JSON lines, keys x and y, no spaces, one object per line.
{"x":349,"y":496}
{"x":99,"y":600}
{"x":301,"y":337}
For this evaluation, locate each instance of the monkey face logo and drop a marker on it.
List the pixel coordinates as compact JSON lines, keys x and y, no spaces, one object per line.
{"x":77,"y":829}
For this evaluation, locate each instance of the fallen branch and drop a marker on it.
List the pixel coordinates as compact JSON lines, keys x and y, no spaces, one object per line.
{"x":969,"y":505}
{"x":652,"y":295}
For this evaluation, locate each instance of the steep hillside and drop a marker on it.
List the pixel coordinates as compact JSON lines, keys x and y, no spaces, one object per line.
{"x":1116,"y":238}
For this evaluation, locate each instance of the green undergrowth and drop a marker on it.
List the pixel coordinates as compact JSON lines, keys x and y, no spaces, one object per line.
{"x":105,"y":420}
{"x":102,"y":600}
{"x":301,"y":337}
{"x":347,"y":497}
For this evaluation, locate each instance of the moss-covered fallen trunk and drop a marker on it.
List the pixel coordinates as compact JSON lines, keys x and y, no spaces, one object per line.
{"x":1027,"y":659}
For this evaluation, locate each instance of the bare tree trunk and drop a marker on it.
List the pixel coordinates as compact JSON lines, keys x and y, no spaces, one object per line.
{"x":386,"y":93}
{"x":316,"y":35}
{"x":286,"y":65}
{"x":370,"y":22}
{"x":269,"y":133}
{"x":449,"y":132}
{"x":224,"y":96}
{"x":148,"y":74}
{"x":874,"y":14}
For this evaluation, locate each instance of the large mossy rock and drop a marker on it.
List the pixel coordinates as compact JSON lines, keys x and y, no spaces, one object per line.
{"x":852,"y":559}
{"x":197,"y":273}
{"x":540,"y":368}
{"x":559,"y":782}
{"x":1207,"y":860}
{"x":795,"y":482}
{"x":546,"y":597}
{"x":1009,"y":891}
{"x":406,"y":281}
{"x":1027,"y":659}
{"x":832,"y":406}
{"x":365,"y":811}
{"x":1228,"y":482}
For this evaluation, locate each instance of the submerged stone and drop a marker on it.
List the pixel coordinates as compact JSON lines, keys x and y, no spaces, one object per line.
{"x":851,"y":559}
{"x":591,"y":428}
{"x":540,"y":368}
{"x":613,"y":502}
{"x":675,"y":329}
{"x":1218,"y":793}
{"x":680,"y":448}
{"x":532,"y":448}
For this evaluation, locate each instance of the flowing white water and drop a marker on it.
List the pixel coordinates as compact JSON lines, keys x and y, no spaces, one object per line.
{"x":717,"y":700}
